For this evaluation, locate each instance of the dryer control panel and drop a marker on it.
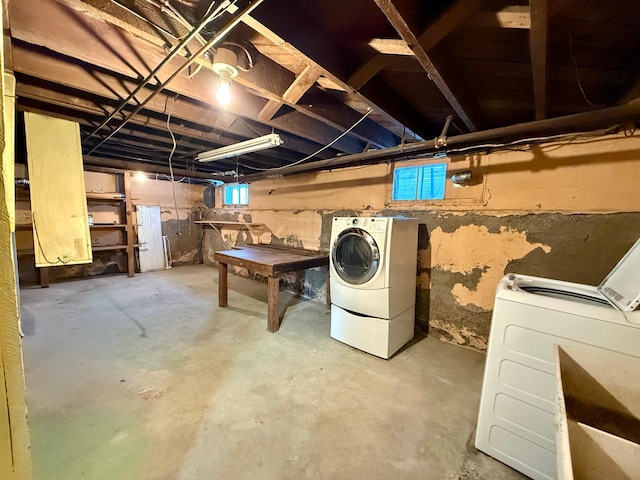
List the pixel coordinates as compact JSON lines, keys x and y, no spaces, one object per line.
{"x":371,"y":224}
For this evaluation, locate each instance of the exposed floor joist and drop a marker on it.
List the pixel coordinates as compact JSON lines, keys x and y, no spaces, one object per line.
{"x":316,"y":48}
{"x":437,"y":65}
{"x":538,"y":45}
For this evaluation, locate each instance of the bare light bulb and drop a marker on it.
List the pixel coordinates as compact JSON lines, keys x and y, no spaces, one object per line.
{"x":224,"y":91}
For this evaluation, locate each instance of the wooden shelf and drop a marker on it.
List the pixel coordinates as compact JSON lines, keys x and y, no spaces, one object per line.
{"x":107,"y":225}
{"x":105,"y":248}
{"x":232,"y":225}
{"x":105,"y":196}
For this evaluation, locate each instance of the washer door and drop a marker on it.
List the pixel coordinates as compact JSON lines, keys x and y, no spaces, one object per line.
{"x":355,"y":256}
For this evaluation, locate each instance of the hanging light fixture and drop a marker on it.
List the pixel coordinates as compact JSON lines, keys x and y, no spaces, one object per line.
{"x":248,"y":146}
{"x":224,"y":64}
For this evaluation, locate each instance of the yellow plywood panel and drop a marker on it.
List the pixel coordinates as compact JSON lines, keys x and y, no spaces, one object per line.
{"x":9,"y":89}
{"x":58,"y":199}
{"x":15,"y":461}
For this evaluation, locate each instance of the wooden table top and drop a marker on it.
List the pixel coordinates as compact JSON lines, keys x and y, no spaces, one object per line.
{"x":272,"y":260}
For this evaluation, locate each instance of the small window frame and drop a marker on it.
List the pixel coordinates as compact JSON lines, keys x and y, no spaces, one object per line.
{"x":232,"y":195}
{"x":409,"y":182}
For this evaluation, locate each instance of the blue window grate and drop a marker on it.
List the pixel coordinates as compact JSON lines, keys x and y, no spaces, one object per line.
{"x":236,"y":194}
{"x":424,"y":182}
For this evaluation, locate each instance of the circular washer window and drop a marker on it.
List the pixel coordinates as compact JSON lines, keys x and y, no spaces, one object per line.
{"x":355,"y":256}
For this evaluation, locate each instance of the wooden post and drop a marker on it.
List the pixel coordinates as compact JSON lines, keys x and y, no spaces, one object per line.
{"x":128,"y":205}
{"x":222,"y":284}
{"x":273,"y":318}
{"x":43,"y":273}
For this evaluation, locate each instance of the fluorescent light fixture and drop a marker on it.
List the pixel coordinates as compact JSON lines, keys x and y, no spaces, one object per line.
{"x":248,"y":146}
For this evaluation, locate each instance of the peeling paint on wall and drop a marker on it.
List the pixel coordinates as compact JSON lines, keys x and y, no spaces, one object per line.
{"x":472,"y":248}
{"x":568,"y":213}
{"x":461,"y":335}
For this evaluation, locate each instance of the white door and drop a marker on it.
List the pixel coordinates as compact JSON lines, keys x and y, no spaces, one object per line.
{"x":150,"y":238}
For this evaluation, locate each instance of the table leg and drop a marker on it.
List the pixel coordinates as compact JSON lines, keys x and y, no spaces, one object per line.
{"x":44,"y":276}
{"x":272,"y":305}
{"x":222,"y":284}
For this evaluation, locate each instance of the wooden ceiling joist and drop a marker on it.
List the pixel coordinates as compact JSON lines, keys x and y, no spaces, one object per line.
{"x":538,"y":45}
{"x":298,"y":87}
{"x":281,"y":87}
{"x":267,"y":78}
{"x":437,"y":63}
{"x":368,"y":70}
{"x":73,"y":102}
{"x":58,"y":71}
{"x":101,"y":44}
{"x":316,"y":48}
{"x":447,"y":22}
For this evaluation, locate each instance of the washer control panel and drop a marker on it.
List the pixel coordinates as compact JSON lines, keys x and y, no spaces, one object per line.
{"x":371,"y":224}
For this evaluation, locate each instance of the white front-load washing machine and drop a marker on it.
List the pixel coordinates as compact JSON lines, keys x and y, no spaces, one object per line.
{"x":373,"y":282}
{"x":516,"y":421}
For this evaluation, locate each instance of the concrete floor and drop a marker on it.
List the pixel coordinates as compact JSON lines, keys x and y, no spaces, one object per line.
{"x":146,"y":378}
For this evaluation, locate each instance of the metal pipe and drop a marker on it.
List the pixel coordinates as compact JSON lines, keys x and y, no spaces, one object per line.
{"x":166,"y":60}
{"x":602,"y":118}
{"x":213,"y":41}
{"x":441,"y":141}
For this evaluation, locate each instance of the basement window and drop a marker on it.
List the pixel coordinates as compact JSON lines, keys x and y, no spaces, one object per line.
{"x":422,"y":182}
{"x":237,"y":194}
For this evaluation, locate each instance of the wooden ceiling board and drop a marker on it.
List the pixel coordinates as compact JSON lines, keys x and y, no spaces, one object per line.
{"x":338,"y":17}
{"x":488,"y":49}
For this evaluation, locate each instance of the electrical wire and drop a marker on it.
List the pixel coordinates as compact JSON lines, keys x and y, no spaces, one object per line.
{"x":369,"y":110}
{"x":515,"y":143}
{"x":173,"y":182}
{"x":213,"y":15}
{"x":575,"y":64}
{"x":246,"y":52}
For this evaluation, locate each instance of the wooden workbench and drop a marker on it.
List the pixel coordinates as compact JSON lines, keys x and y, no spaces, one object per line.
{"x":269,"y":261}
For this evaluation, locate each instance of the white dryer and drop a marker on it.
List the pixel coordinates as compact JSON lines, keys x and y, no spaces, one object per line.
{"x":530,"y":316}
{"x":373,"y":282}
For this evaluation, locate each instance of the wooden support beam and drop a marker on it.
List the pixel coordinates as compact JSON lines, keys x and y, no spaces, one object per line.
{"x":103,"y":45}
{"x":367,"y":71}
{"x":514,"y":16}
{"x":447,"y":22}
{"x":390,"y":46}
{"x":183,"y":110}
{"x":538,"y":46}
{"x":317,"y":48}
{"x":128,"y":205}
{"x":267,"y":78}
{"x":63,"y":72}
{"x":300,"y":85}
{"x":438,"y":65}
{"x":430,"y":37}
{"x":93,"y":161}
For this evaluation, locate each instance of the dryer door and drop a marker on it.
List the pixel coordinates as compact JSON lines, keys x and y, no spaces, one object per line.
{"x":355,"y":256}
